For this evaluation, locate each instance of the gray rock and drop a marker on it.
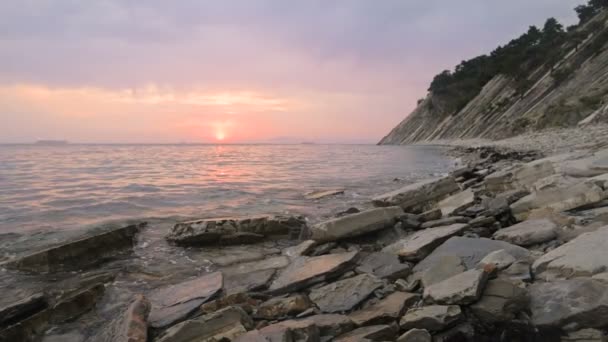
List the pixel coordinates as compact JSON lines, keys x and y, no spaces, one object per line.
{"x":304,"y":271}
{"x":471,"y":251}
{"x":580,"y":302}
{"x":420,"y":244}
{"x":500,"y":302}
{"x":462,"y":289}
{"x":521,"y":176}
{"x":501,"y":259}
{"x":216,"y":230}
{"x":132,"y":325}
{"x":272,"y":263}
{"x":306,"y":329}
{"x":482,"y":221}
{"x":457,"y":202}
{"x":371,"y":333}
{"x":431,"y":318}
{"x":416,"y":335}
{"x":356,"y":224}
{"x":300,"y":250}
{"x":430,"y":215}
{"x":445,"y":267}
{"x":384,"y":265}
{"x":420,"y":196}
{"x":385,"y":311}
{"x":235,"y":283}
{"x":67,"y":337}
{"x":173,"y":303}
{"x":81,"y":253}
{"x":14,"y":309}
{"x":345,"y":294}
{"x":276,"y":308}
{"x":446,"y":221}
{"x":584,"y":256}
{"x":585,"y":335}
{"x":528,"y":233}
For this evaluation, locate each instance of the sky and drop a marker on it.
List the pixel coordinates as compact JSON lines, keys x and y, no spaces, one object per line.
{"x":158,"y":71}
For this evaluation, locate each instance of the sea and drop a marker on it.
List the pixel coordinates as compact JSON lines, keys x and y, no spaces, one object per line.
{"x":73,"y":186}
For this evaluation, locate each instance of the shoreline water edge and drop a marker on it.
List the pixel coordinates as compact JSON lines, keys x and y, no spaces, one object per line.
{"x":510,"y":246}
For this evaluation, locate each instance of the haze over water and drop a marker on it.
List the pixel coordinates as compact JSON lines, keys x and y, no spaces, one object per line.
{"x":73,"y":186}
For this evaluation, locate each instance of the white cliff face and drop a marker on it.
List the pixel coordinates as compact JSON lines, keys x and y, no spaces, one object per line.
{"x":498,"y":111}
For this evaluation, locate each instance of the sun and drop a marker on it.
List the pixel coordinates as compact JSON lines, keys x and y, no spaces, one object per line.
{"x":220,"y":135}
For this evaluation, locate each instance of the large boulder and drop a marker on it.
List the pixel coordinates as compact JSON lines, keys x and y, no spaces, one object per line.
{"x":431,"y":318}
{"x":584,"y":256}
{"x":384,"y":265}
{"x":563,"y":198}
{"x":84,"y":252}
{"x":462,"y":289}
{"x":306,"y":271}
{"x":471,"y":251}
{"x":385,"y":311}
{"x":500,"y":302}
{"x":356,"y":224}
{"x":528,"y":233}
{"x":580,"y":302}
{"x":228,"y":231}
{"x":420,"y":196}
{"x":173,"y":303}
{"x":420,"y":244}
{"x":520,"y":176}
{"x":344,"y":295}
{"x":226,"y":324}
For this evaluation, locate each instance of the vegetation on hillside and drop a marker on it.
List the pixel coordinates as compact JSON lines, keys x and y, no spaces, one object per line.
{"x":535,"y":50}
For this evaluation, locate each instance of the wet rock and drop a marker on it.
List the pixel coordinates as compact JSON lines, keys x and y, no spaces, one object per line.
{"x":348,"y":211}
{"x":501,"y":302}
{"x":383,"y":266}
{"x":446,"y":221}
{"x":299,"y":250}
{"x":420,"y":196}
{"x":416,"y":335}
{"x":565,"y":198}
{"x":584,"y":256}
{"x":580,"y":302}
{"x":281,"y":333}
{"x":585,"y":335}
{"x":462,"y":289}
{"x":420,"y":244}
{"x":431,"y":318}
{"x":457,"y":202}
{"x":356,"y":224}
{"x":132,"y":326}
{"x":217,"y":230}
{"x":228,"y":324}
{"x":67,"y":337}
{"x":74,"y":255}
{"x":306,"y":271}
{"x":272,"y":263}
{"x":276,"y":308}
{"x":521,"y":176}
{"x":528,"y":233}
{"x":245,"y":301}
{"x":371,"y":333}
{"x":345,"y":294}
{"x":471,"y":251}
{"x":173,"y":303}
{"x":317,"y":195}
{"x":235,"y":283}
{"x":307,"y":329}
{"x":430,"y":215}
{"x":240,"y":239}
{"x":12,"y":310}
{"x":445,"y":267}
{"x":330,"y":324}
{"x":385,"y":311}
{"x":501,"y":259}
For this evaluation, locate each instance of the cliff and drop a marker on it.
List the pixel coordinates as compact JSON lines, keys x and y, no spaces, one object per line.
{"x":571,"y":92}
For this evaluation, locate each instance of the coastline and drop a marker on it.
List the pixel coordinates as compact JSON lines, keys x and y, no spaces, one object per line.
{"x":429,"y":258}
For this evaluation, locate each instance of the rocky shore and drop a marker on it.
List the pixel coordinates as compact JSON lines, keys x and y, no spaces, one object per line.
{"x":509,"y":247}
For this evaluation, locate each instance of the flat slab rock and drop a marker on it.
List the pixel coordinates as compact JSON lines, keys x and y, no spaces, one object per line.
{"x":471,"y":251}
{"x":462,"y":289}
{"x":384,"y":265}
{"x":130,"y":326}
{"x":387,"y":310}
{"x":457,"y":202}
{"x":580,"y":301}
{"x":528,"y":233}
{"x":80,"y":253}
{"x":371,"y":333}
{"x":420,"y":244}
{"x":420,"y":196}
{"x":316,"y":195}
{"x":431,"y":318}
{"x":306,"y":271}
{"x":445,"y":267}
{"x":355,"y":224}
{"x":344,"y":295}
{"x":584,"y":256}
{"x":173,"y":303}
{"x":272,"y":263}
{"x":213,"y":231}
{"x":329,"y":325}
{"x":235,"y":283}
{"x":501,"y":301}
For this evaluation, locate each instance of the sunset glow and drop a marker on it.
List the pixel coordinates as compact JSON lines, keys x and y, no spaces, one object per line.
{"x":220,"y":136}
